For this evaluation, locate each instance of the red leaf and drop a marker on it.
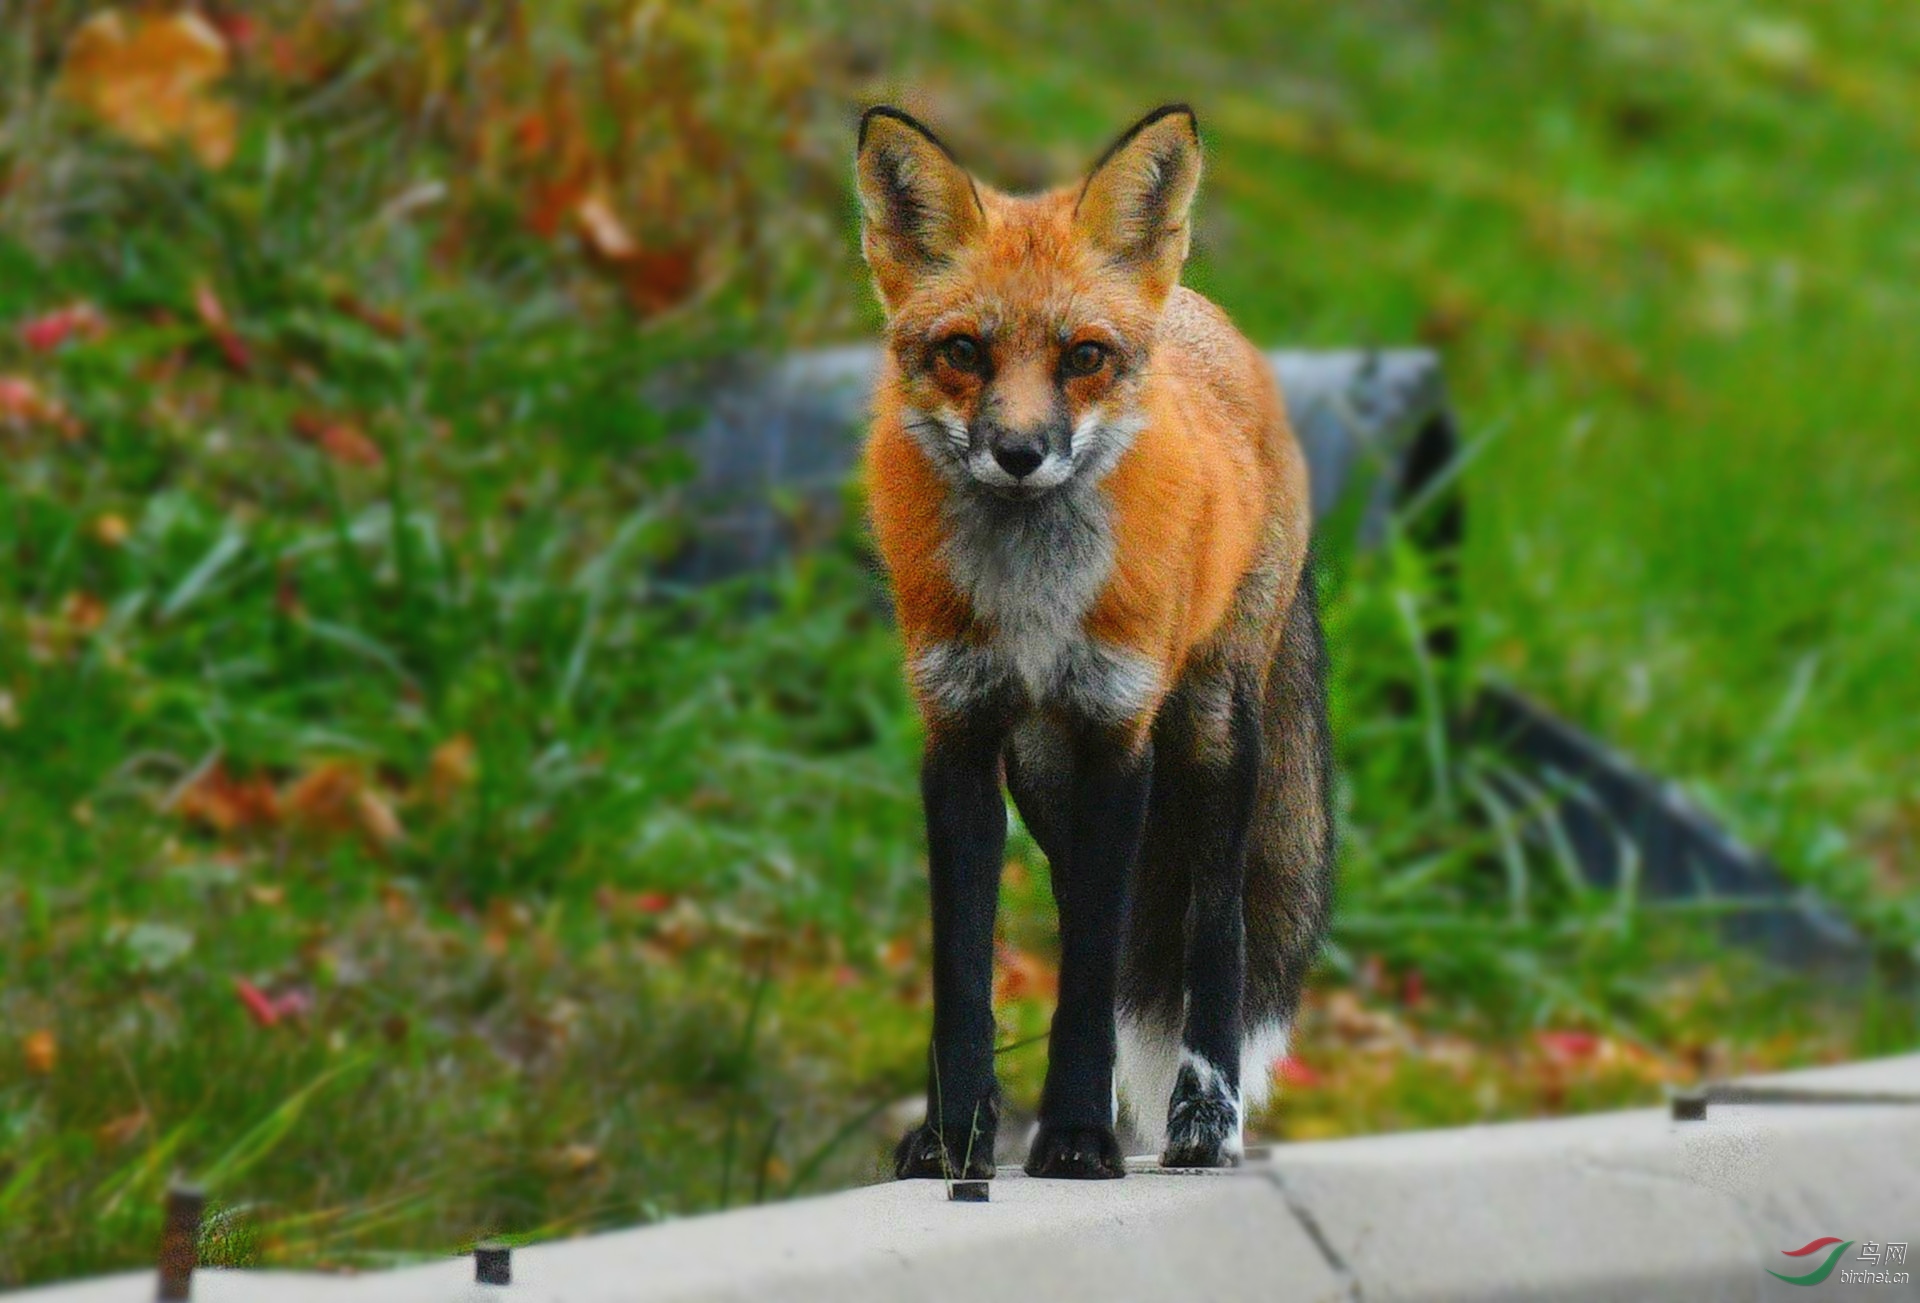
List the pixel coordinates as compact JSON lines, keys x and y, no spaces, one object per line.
{"x":213,"y":315}
{"x":653,"y":902}
{"x":45,"y":333}
{"x":259,"y":1004}
{"x":1290,"y":1071}
{"x":343,"y":441}
{"x":1568,"y":1047}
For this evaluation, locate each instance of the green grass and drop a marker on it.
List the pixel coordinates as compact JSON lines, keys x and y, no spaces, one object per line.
{"x":650,"y":937}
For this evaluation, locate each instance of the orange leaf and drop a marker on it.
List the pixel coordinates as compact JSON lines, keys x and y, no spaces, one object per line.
{"x":146,"y":77}
{"x":111,"y":529}
{"x":342,"y":441}
{"x":658,"y":279}
{"x":1022,"y":976}
{"x":83,"y":612}
{"x":1568,"y":1047}
{"x":120,"y":1131}
{"x":334,"y":797}
{"x":41,"y":1052}
{"x":224,"y":804}
{"x":386,"y":324}
{"x":451,"y":768}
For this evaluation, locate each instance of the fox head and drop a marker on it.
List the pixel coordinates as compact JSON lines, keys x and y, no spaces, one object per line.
{"x":1020,"y":326}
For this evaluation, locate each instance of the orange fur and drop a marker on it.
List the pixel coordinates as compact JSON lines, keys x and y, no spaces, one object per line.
{"x":1212,"y":487}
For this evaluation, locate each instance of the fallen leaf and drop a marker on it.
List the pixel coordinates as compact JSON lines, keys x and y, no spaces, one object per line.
{"x":658,"y":279}
{"x":653,"y":902}
{"x":606,"y":236}
{"x":213,"y":315}
{"x":41,"y":1051}
{"x":83,"y":612}
{"x":386,"y":324}
{"x":23,"y":405}
{"x":111,"y":529}
{"x":396,"y":902}
{"x":576,"y":1158}
{"x":1568,"y":1047}
{"x":899,"y":955}
{"x":451,"y":768}
{"x":121,"y":1130}
{"x":148,"y":76}
{"x":343,"y":441}
{"x":335,"y":797}
{"x":1020,"y":975}
{"x":654,"y":279}
{"x":1290,"y":1071}
{"x":45,"y":333}
{"x":225,"y":804}
{"x":258,"y":1004}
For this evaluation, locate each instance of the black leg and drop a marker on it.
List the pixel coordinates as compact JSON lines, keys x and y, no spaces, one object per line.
{"x":1214,"y":790}
{"x":966,"y":846}
{"x":1107,"y":812}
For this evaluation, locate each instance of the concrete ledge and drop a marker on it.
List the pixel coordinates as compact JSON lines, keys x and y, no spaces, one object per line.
{"x":1627,"y":1206}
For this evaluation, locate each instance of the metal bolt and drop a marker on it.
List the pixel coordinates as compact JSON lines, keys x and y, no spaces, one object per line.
{"x":493,"y":1263}
{"x":968,"y":1192}
{"x":180,"y":1242}
{"x":1689,"y":1106}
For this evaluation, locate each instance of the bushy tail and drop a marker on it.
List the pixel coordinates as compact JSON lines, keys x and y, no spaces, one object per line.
{"x":1287,"y":899}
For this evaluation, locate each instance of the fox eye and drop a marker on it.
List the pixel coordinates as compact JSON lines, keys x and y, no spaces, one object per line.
{"x":962,"y":353}
{"x":1085,"y":358}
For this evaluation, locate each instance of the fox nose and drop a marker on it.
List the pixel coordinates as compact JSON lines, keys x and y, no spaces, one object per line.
{"x":1020,"y":459}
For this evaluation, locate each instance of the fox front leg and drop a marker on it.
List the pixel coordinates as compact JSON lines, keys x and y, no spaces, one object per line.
{"x":966,"y":846}
{"x":1107,"y":812}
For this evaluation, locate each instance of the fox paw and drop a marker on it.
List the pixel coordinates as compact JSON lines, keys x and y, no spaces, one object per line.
{"x":920,"y":1154}
{"x":1076,"y":1153}
{"x":1203,"y":1121}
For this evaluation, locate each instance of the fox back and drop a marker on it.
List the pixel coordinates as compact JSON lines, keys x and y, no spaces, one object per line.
{"x":1095,"y":520}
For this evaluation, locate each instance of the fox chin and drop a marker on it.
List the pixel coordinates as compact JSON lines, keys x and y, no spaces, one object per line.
{"x":1094,"y":520}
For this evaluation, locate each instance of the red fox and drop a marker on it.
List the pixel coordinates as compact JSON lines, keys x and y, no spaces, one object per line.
{"x":1094,"y":518}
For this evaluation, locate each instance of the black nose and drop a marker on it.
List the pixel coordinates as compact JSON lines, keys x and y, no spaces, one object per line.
{"x":1019,"y":460}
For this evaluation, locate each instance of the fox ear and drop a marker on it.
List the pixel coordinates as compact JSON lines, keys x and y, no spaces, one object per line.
{"x":1134,"y":204}
{"x":919,"y":206}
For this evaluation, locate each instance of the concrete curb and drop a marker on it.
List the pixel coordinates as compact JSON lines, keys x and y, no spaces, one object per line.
{"x":1627,"y":1206}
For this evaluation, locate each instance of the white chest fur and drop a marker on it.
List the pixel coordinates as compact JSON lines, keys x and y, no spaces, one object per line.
{"x":1031,"y":571}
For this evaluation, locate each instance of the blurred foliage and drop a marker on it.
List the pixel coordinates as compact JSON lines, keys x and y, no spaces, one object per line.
{"x":385,"y":839}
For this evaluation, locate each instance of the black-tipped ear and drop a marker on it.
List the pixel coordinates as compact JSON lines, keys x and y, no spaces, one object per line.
{"x":918,"y":204}
{"x":1135,"y":203}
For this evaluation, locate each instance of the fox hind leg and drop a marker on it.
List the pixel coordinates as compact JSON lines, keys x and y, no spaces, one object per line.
{"x":1211,"y":798}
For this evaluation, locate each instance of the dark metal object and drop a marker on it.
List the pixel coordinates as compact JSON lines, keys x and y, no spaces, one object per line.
{"x":493,"y":1263}
{"x":1617,"y":819}
{"x":180,"y":1242}
{"x":1691,"y":1105}
{"x":968,"y":1192}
